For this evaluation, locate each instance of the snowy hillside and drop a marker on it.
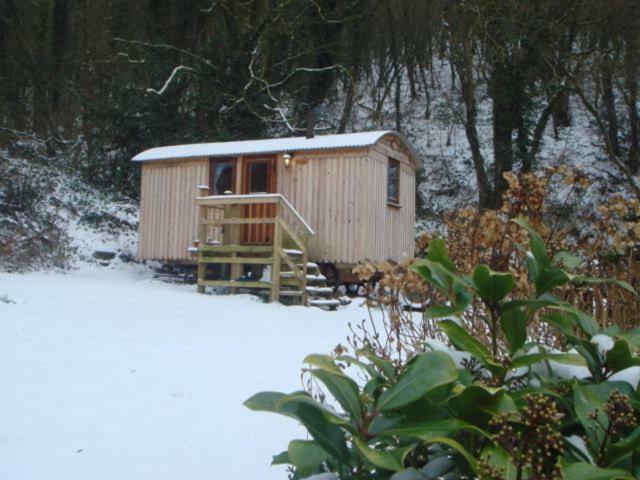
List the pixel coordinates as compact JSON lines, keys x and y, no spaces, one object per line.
{"x":51,"y":218}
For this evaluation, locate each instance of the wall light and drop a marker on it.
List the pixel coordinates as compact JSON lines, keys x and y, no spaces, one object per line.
{"x":287,"y":159}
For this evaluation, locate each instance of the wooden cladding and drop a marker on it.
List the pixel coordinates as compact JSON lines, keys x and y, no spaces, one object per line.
{"x":344,"y":195}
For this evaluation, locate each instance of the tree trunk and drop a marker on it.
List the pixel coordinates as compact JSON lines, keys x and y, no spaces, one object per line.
{"x":631,"y":85}
{"x":501,"y":87}
{"x":464,"y":67}
{"x":609,"y":104}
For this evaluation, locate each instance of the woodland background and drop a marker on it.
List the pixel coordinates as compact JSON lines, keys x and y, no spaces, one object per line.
{"x":88,"y":84}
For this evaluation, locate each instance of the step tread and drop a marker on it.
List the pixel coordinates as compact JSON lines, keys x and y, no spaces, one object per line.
{"x":319,"y":290}
{"x":289,"y":274}
{"x":324,"y":302}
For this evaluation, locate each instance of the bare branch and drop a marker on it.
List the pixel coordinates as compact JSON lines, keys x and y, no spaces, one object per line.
{"x":167,"y":47}
{"x":170,"y":79}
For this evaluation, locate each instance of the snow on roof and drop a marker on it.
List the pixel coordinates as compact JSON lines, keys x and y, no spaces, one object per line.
{"x":273,"y":145}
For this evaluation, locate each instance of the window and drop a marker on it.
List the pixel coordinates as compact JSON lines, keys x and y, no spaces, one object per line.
{"x":393,"y":182}
{"x":222,"y":176}
{"x":259,"y":177}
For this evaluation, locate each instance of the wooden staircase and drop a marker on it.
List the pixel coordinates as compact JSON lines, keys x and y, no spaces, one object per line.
{"x":292,"y":276}
{"x":318,"y":294}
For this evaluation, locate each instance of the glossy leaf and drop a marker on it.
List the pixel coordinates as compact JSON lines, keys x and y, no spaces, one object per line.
{"x":492,"y":286}
{"x":537,"y":248}
{"x":623,"y":448}
{"x":477,"y":404}
{"x":465,"y":341}
{"x":587,"y":471}
{"x":384,"y":366}
{"x":532,"y":358}
{"x":388,"y":459}
{"x":621,"y":356}
{"x":343,"y":389}
{"x":324,"y":362}
{"x":435,"y":428}
{"x":550,"y":278}
{"x":426,"y":372}
{"x":328,"y":435}
{"x":514,"y":326}
{"x":498,"y":458}
{"x":307,"y":456}
{"x":267,"y":402}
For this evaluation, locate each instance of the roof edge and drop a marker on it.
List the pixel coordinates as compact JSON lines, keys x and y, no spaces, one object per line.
{"x":273,"y":145}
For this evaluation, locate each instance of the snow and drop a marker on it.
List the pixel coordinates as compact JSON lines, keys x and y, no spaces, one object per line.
{"x":272,"y":145}
{"x":107,"y":373}
{"x":631,"y":375}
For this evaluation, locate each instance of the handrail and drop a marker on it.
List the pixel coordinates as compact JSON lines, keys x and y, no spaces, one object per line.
{"x":212,"y":200}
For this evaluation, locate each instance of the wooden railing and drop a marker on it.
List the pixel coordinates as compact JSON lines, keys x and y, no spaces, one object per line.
{"x":284,"y":240}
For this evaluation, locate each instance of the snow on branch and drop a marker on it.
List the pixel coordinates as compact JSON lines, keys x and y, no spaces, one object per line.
{"x":169,"y":80}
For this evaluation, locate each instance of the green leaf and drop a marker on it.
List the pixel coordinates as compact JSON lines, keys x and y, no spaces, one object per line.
{"x":621,"y":356}
{"x":585,"y":322}
{"x":561,"y":321}
{"x":307,"y":456}
{"x":537,"y":248}
{"x":550,"y":278}
{"x":498,"y":458}
{"x":426,"y":372}
{"x":388,"y":459}
{"x":458,"y":448}
{"x":579,"y":279}
{"x":384,"y":366}
{"x":632,"y":336}
{"x":328,"y":435}
{"x":437,"y":252}
{"x":623,"y":448}
{"x":567,"y":260}
{"x":267,"y":402}
{"x":514,"y":326}
{"x":324,"y":362}
{"x":288,"y":404}
{"x":477,"y":404}
{"x":440,"y":311}
{"x":343,"y":389}
{"x":465,"y":341}
{"x":587,"y":471}
{"x":281,"y":459}
{"x":589,"y":397}
{"x":566,"y":358}
{"x":492,"y":286}
{"x":365,"y":367}
{"x":425,"y":431}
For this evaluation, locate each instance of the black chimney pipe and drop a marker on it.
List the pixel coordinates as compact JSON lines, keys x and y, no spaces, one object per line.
{"x":310,"y":127}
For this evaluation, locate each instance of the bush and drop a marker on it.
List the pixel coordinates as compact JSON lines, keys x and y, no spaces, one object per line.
{"x":512,"y":408}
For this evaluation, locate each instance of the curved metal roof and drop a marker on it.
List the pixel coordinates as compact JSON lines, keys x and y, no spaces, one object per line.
{"x":273,"y":145}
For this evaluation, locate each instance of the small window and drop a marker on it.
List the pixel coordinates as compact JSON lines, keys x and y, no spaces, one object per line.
{"x":393,"y":182}
{"x":222,"y":176}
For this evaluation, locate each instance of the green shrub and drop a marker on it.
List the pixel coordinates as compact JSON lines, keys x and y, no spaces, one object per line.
{"x":505,"y":412}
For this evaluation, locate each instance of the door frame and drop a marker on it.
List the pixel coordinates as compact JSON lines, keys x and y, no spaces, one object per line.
{"x":273,"y":172}
{"x":258,"y":234}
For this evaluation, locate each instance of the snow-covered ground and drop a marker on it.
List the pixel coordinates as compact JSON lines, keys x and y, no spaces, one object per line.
{"x":106,"y":373}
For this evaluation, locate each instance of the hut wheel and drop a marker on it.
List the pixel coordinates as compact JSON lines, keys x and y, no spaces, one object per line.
{"x":332,"y":275}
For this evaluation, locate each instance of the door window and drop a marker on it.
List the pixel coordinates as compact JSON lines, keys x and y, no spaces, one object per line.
{"x":259,"y":177}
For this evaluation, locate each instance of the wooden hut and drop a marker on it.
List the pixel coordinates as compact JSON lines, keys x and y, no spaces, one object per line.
{"x":353,"y":196}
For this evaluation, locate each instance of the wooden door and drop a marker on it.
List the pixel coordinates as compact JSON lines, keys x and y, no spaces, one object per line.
{"x":258,"y":176}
